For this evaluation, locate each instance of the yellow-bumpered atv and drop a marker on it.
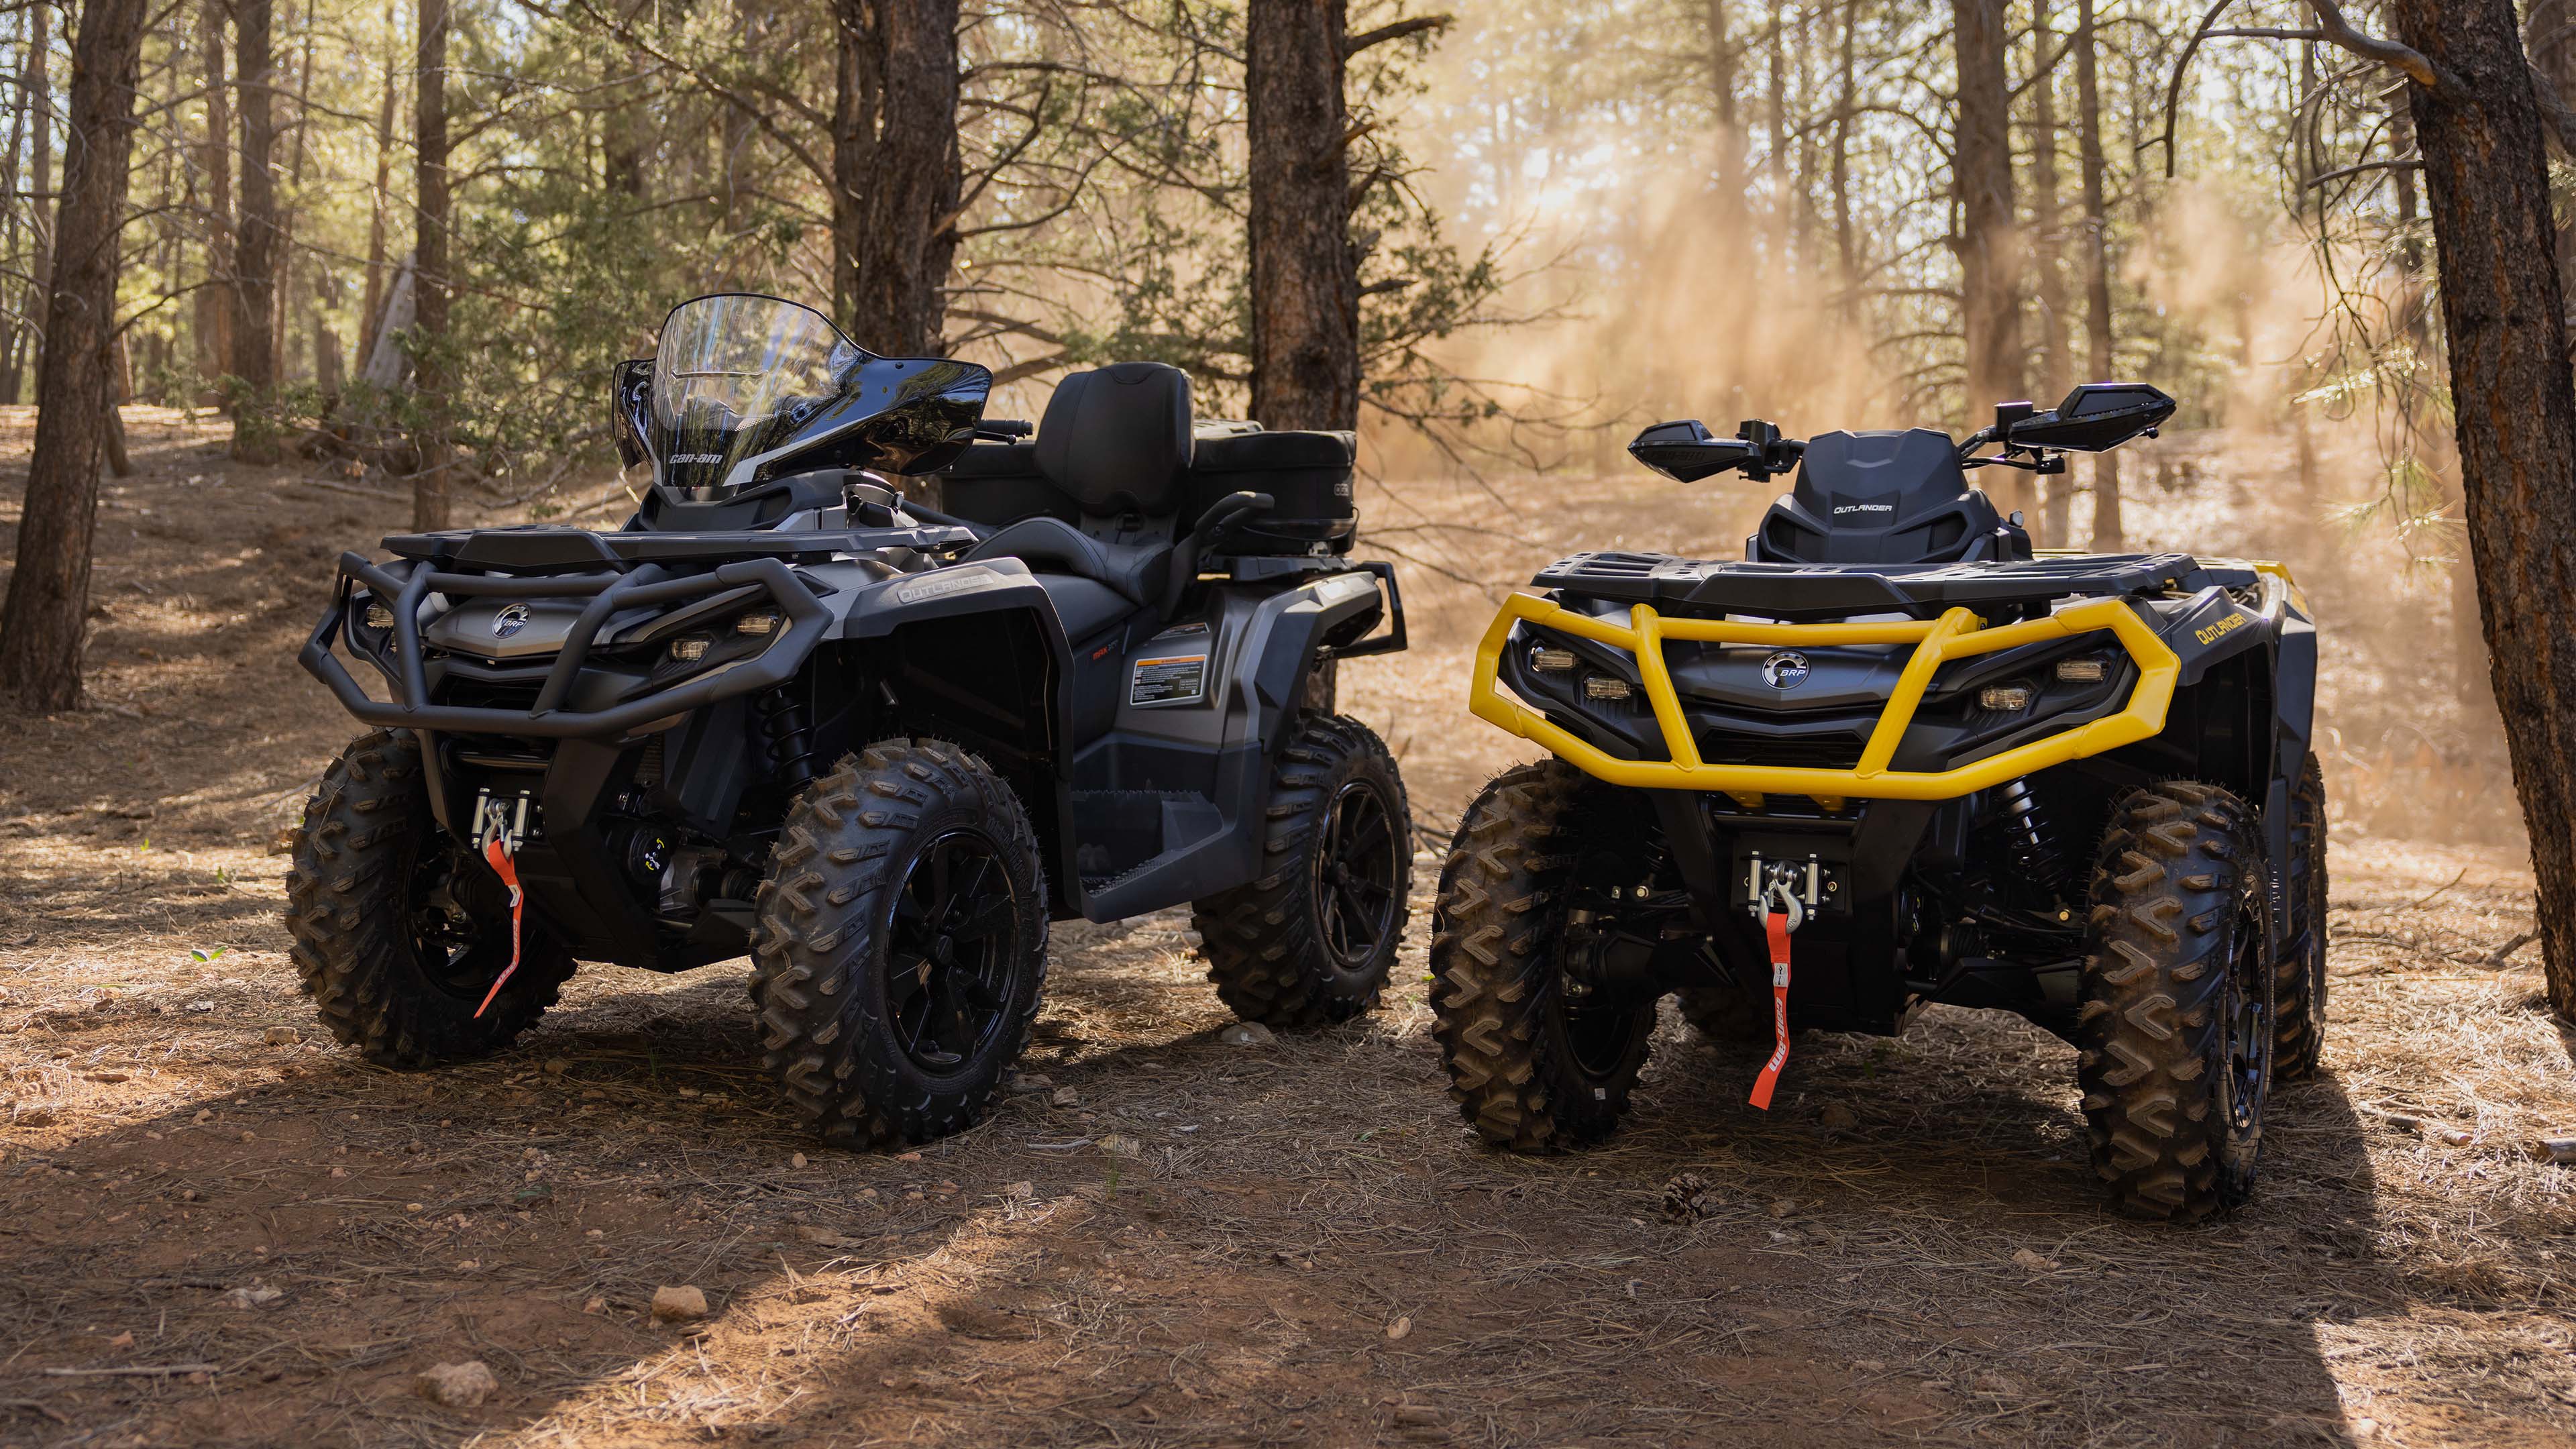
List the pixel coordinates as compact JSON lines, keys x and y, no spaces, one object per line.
{"x":1894,"y":757}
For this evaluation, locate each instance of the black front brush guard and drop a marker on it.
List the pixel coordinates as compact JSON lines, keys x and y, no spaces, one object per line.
{"x":404,"y":588}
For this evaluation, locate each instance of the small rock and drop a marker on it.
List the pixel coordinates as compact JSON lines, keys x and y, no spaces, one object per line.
{"x":1837,"y":1118}
{"x":557,"y":1066}
{"x":250,"y":1297}
{"x":32,"y":1115}
{"x":249,"y":1136}
{"x":796,"y":1160}
{"x":681,"y":1304}
{"x":1402,"y":1325}
{"x":1248,"y":1033}
{"x":1416,"y":1415}
{"x":122,"y":1340}
{"x":339,"y":1172}
{"x":1783,"y":1207}
{"x":2025,"y":1258}
{"x":822,"y":1237}
{"x":204,"y":1116}
{"x":284,"y":1036}
{"x":594,"y":1304}
{"x":1117,"y":1145}
{"x":457,"y":1385}
{"x":907,"y":1157}
{"x":2452,"y":1136}
{"x":1020,"y":1191}
{"x":1066,"y":1097}
{"x":1023,"y":1083}
{"x":199,"y":1007}
{"x":595,"y":1234}
{"x":1687,"y":1197}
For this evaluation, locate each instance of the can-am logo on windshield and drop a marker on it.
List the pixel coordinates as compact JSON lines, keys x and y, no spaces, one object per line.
{"x":1785,"y":670}
{"x":511,"y":619}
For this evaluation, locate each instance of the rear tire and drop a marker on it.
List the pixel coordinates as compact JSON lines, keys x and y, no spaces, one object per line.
{"x":2176,"y":1029}
{"x":399,"y":929}
{"x":901,"y":946}
{"x":1532,"y":1066}
{"x":1311,"y":940}
{"x":2302,"y":990}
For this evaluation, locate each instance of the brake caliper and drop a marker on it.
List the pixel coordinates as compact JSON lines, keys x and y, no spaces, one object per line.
{"x":1781,"y":913}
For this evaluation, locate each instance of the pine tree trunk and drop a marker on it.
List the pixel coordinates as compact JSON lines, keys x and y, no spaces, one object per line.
{"x":24,"y":116}
{"x":430,"y":506}
{"x":41,"y":218}
{"x":379,"y":203}
{"x":1846,"y":241}
{"x":1989,"y":241}
{"x":895,"y":173}
{"x":1305,"y":273}
{"x":2487,"y":192}
{"x":47,"y":608}
{"x":2047,"y":227}
{"x":254,"y":358}
{"x":216,"y":302}
{"x":2097,"y":268}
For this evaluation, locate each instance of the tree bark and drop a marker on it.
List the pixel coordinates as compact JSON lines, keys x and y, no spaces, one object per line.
{"x":2487,"y":192}
{"x":430,"y":507}
{"x":47,"y":608}
{"x":42,"y":218}
{"x":1846,"y":241}
{"x":381,"y":201}
{"x":1305,"y":271}
{"x":895,"y":173}
{"x":254,"y":358}
{"x":216,"y":302}
{"x":1990,"y":241}
{"x":2097,"y":268}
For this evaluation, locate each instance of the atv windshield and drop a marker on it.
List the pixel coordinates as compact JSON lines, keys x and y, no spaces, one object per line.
{"x":743,"y":389}
{"x":734,"y":375}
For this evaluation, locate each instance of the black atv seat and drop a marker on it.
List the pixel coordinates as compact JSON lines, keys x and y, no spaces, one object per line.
{"x":1116,"y":442}
{"x":1883,"y":498}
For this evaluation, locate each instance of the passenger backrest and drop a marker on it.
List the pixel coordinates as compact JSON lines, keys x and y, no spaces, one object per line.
{"x":1117,"y":439}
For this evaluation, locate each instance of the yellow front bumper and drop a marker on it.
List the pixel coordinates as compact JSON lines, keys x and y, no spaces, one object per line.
{"x":1957,"y":634}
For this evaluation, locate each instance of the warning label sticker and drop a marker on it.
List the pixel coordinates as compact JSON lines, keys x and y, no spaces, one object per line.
{"x":1168,"y":679}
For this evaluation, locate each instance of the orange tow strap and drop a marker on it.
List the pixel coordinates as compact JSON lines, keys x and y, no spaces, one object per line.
{"x":1776,"y":926}
{"x":508,"y":871}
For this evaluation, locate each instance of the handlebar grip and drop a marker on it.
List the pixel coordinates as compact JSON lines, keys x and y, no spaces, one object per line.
{"x":1003,"y":430}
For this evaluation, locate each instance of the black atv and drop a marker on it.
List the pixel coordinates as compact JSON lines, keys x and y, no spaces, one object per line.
{"x":788,"y":710}
{"x":1892,"y":758}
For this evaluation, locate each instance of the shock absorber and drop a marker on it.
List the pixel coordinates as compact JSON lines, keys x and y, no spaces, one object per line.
{"x":791,"y":752}
{"x":2026,"y":829}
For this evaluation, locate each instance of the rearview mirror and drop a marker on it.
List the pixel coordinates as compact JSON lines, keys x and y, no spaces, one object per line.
{"x":2095,"y":417}
{"x":1685,"y":452}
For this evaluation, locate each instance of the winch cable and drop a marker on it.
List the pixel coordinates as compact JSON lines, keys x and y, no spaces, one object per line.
{"x":1787,"y":913}
{"x":496,"y":854}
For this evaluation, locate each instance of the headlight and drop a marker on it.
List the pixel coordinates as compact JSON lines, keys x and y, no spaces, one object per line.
{"x":1603,"y":686}
{"x":2082,"y":671}
{"x":2006,"y":698}
{"x":1551,"y":660}
{"x":379,"y":617}
{"x":757,"y":624}
{"x":688,"y":651}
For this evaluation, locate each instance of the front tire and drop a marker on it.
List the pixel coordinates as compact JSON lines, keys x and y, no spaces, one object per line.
{"x":399,"y":929}
{"x":901,"y":944}
{"x":2176,"y":1029}
{"x":1311,"y":941}
{"x":1536,"y":1062}
{"x":2302,"y":988}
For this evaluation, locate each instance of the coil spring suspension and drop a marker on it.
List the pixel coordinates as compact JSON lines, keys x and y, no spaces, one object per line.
{"x":2026,"y":832}
{"x":791,"y":751}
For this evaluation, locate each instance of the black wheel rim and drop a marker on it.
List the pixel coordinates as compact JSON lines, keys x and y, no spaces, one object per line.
{"x":1356,"y":869}
{"x":950,"y":952}
{"x":459,"y":914}
{"x":2248,"y":1017}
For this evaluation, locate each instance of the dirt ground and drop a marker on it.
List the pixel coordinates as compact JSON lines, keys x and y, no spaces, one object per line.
{"x":218,"y":1228}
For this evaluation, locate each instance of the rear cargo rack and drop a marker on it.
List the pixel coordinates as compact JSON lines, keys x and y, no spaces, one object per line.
{"x":1957,"y":634}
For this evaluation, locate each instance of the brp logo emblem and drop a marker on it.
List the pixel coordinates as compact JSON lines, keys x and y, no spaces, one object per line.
{"x":1785,"y":670}
{"x":514,"y":617}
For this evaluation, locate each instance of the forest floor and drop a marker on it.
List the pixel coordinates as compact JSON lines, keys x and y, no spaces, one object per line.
{"x":218,"y":1228}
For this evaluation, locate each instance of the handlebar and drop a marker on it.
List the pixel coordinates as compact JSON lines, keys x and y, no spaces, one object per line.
{"x":1003,"y":430}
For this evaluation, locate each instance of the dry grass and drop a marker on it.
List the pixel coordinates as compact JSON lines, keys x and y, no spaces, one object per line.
{"x":1938,"y":1272}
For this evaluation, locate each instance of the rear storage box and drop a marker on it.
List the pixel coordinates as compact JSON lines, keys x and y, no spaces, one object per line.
{"x":1308,"y":478}
{"x":1000,"y":483}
